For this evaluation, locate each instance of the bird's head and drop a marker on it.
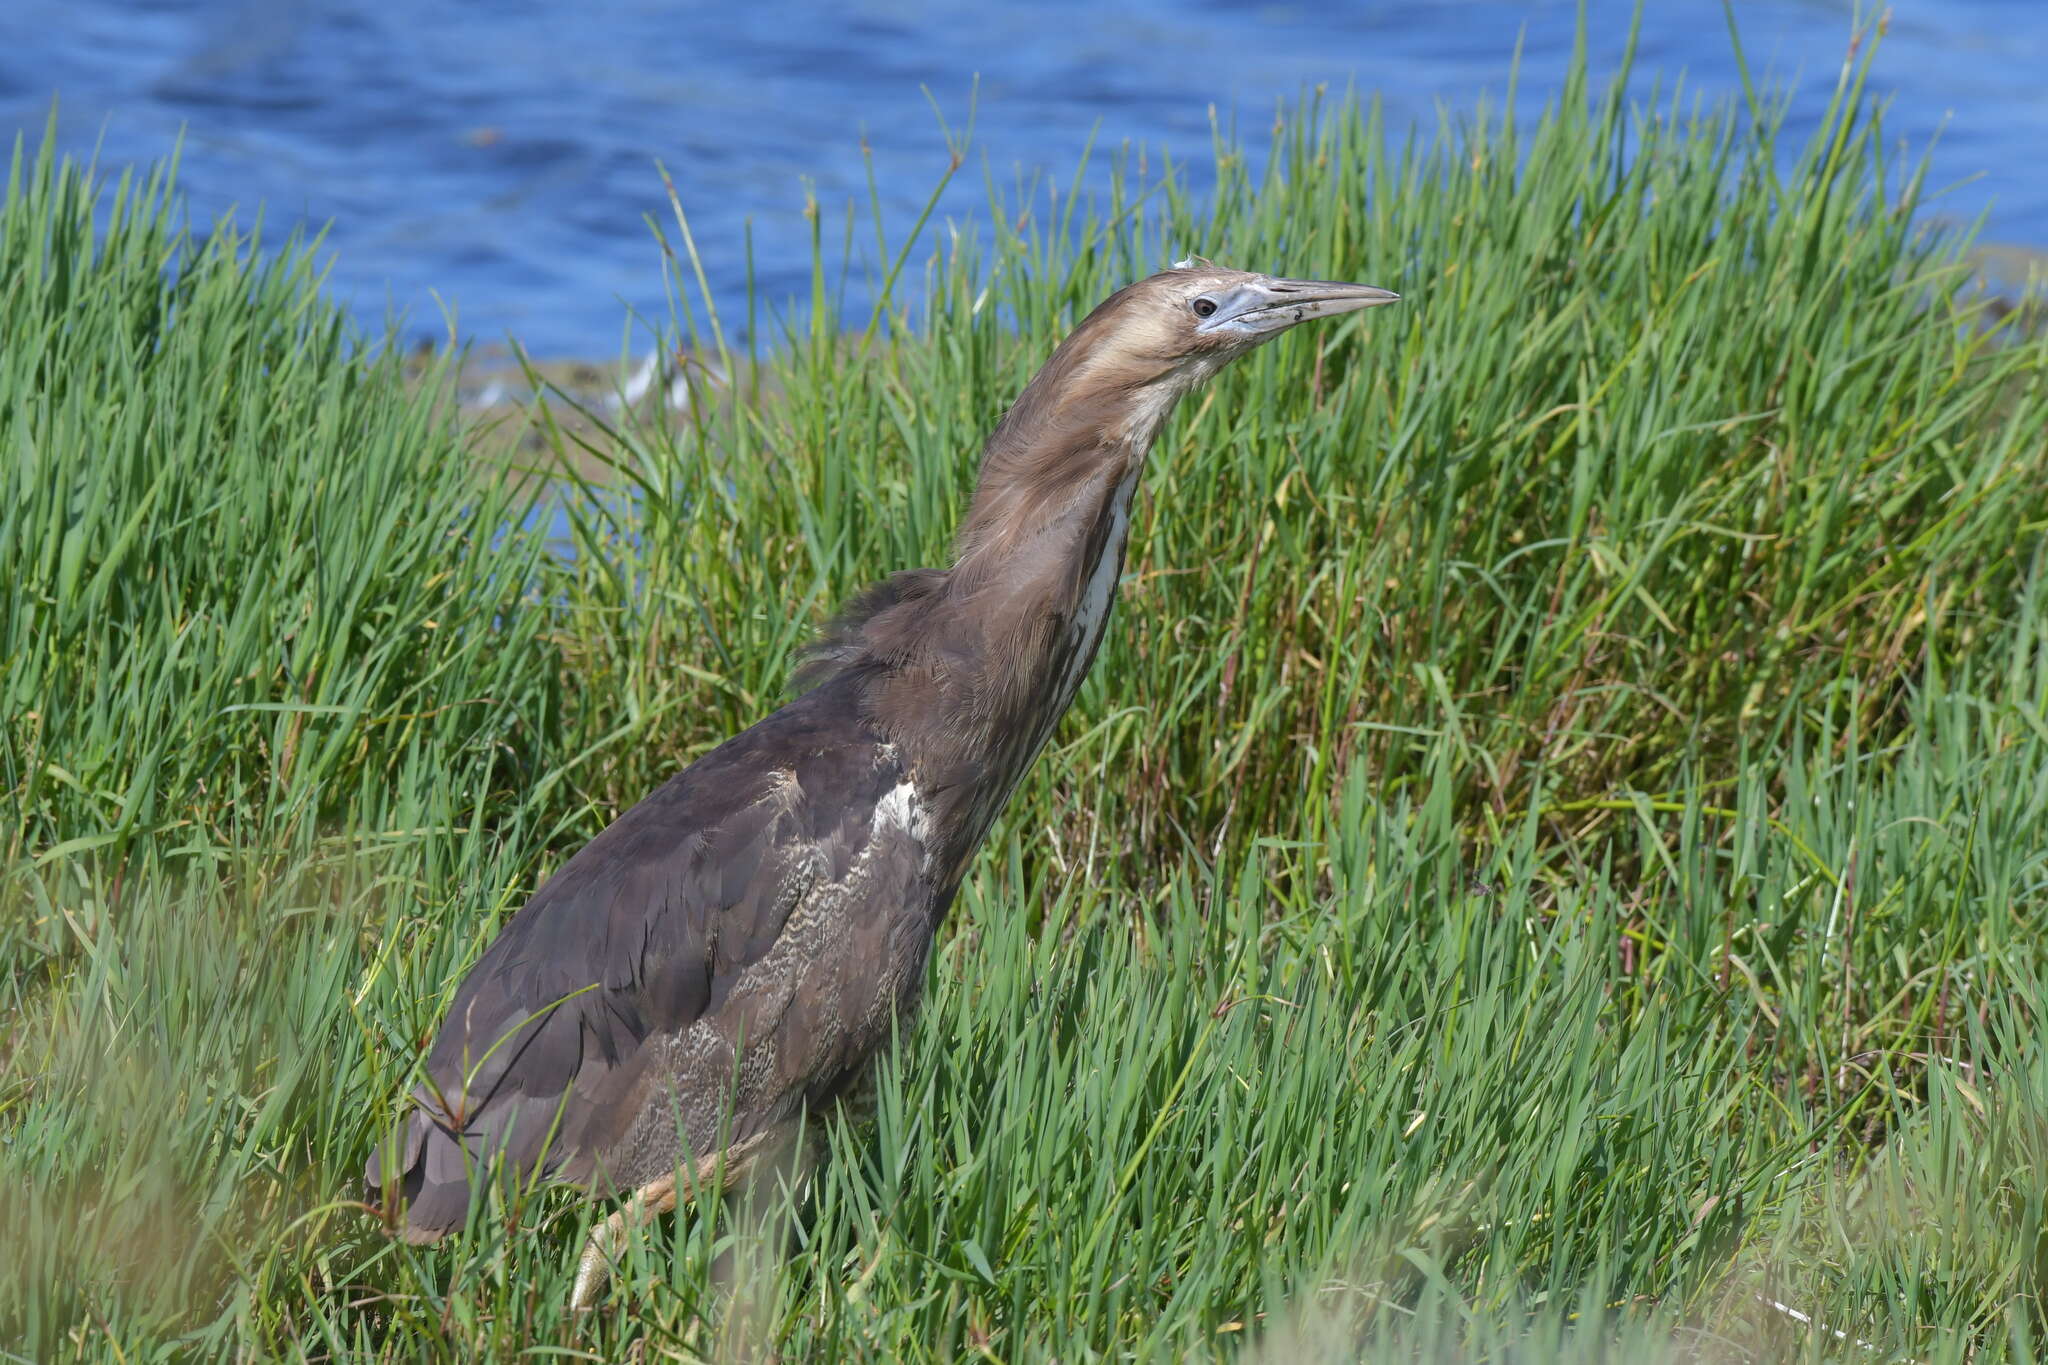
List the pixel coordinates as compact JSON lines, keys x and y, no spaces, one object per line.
{"x":1104,"y":392}
{"x":1183,"y":324}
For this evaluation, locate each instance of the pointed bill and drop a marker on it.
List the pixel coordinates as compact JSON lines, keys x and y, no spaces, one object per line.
{"x":1265,"y":306}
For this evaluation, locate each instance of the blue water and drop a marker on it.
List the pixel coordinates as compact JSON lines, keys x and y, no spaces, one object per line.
{"x":500,"y":156}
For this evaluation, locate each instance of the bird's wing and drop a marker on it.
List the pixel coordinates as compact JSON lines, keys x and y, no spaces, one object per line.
{"x":547,"y":1053}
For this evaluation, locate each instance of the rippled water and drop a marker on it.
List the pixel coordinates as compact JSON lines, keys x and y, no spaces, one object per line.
{"x":500,"y":155}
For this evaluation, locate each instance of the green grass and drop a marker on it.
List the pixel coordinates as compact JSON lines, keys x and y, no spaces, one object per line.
{"x":1550,"y":861}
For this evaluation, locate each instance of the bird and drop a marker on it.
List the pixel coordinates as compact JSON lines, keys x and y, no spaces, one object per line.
{"x":736,"y":949}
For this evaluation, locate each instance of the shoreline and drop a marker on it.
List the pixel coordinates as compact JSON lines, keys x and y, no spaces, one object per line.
{"x":495,"y":395}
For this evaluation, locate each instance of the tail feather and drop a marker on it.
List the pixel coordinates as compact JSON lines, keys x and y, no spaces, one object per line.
{"x":432,"y":1184}
{"x":438,"y":1170}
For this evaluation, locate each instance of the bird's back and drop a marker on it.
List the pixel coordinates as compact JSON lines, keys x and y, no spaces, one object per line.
{"x":735,"y":945}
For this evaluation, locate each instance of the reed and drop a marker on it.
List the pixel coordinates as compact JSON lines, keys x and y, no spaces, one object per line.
{"x":1548,"y":865}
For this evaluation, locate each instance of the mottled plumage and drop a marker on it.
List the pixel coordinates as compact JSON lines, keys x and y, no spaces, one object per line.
{"x":774,"y":891}
{"x":740,"y":944}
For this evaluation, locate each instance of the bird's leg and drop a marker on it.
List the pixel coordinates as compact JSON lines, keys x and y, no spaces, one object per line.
{"x":650,"y":1201}
{"x":608,"y":1238}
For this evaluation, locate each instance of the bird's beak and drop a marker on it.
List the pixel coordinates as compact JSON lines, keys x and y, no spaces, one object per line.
{"x":1267,"y":307}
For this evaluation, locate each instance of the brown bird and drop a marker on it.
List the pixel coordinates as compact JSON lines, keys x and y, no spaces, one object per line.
{"x":738,"y":946}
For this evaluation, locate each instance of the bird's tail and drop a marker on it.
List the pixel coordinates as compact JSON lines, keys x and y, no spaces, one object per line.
{"x":429,"y":1182}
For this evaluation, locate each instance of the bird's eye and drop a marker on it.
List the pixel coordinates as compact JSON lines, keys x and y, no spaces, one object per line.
{"x":1204,"y":307}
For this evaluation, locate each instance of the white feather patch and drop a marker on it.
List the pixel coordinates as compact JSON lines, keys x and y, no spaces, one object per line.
{"x":901,"y":809}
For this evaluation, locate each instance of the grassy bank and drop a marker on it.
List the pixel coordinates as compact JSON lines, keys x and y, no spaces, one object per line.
{"x":1549,"y":864}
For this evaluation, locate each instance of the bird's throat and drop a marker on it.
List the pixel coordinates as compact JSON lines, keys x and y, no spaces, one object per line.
{"x":1099,"y":568}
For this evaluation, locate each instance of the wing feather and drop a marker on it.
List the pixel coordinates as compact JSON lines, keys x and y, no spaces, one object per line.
{"x":546,"y":1053}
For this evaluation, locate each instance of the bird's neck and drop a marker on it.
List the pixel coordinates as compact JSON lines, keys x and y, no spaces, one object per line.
{"x":1013,"y":634}
{"x":1035,"y":602}
{"x":967,"y":671}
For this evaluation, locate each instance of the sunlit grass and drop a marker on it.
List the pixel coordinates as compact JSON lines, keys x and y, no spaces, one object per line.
{"x":1549,"y":865}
